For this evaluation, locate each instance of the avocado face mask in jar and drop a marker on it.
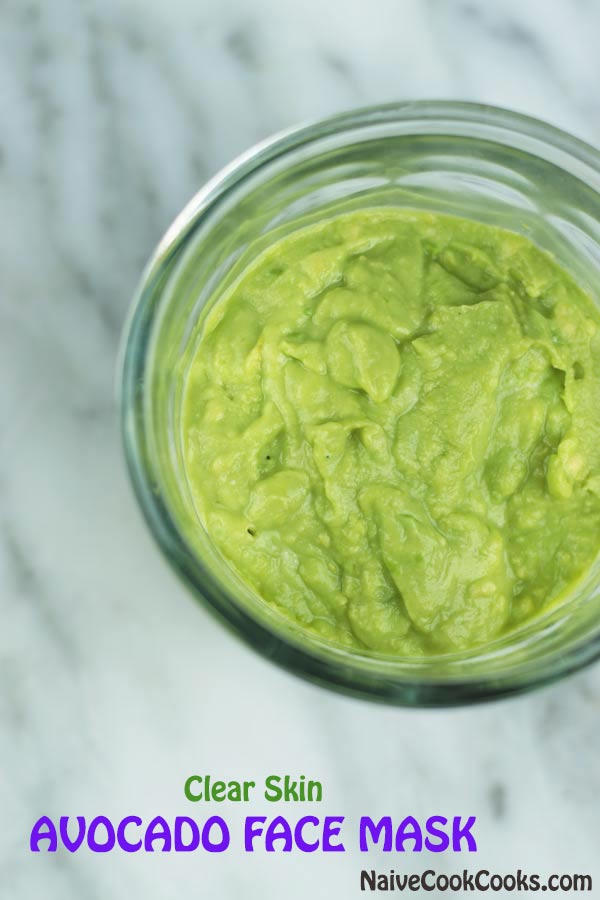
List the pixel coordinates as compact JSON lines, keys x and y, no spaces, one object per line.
{"x":389,"y":430}
{"x":361,"y":401}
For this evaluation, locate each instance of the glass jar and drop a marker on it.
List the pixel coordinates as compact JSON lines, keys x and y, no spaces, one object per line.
{"x":465,"y":159}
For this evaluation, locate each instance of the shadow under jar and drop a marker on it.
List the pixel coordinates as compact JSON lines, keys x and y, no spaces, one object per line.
{"x":478,"y":162}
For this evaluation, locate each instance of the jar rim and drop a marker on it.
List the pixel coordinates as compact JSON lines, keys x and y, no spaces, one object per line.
{"x":371,"y":676}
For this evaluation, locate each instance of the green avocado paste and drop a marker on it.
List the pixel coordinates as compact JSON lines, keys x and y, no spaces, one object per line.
{"x":391,"y":430}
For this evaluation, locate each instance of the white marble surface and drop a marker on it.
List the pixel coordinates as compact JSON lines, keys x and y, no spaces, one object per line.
{"x":114,"y":684}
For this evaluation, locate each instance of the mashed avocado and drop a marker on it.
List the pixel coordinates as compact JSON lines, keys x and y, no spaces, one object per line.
{"x":391,"y":430}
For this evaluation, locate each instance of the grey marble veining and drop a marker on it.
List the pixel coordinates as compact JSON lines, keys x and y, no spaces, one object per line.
{"x":114,"y":684}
